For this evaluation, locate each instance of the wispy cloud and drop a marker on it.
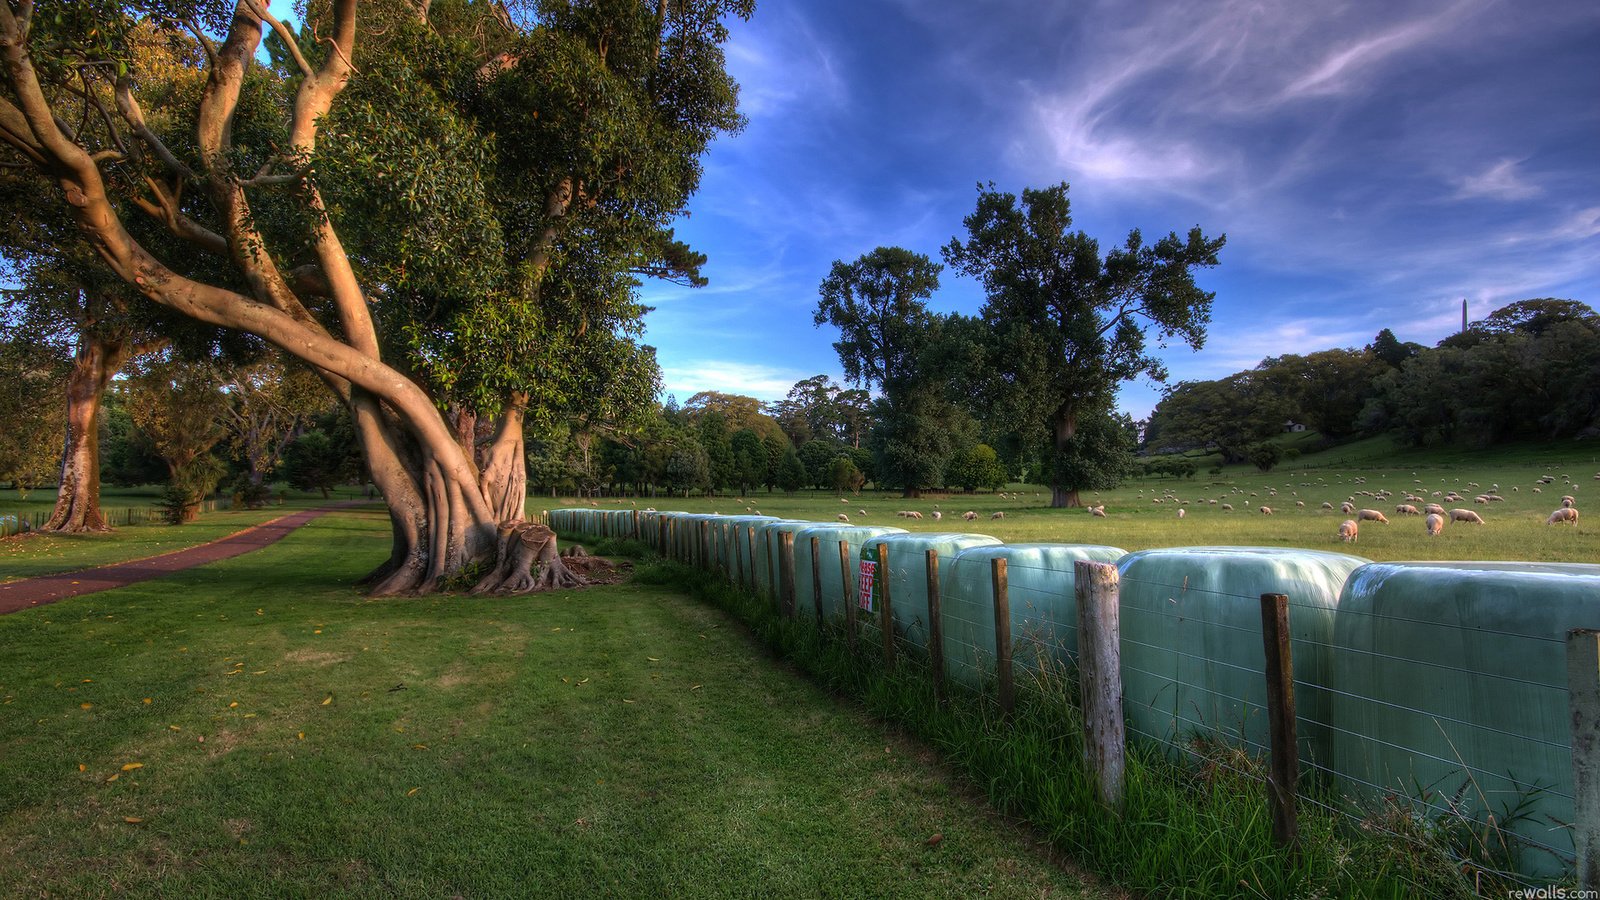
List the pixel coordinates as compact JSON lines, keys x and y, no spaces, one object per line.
{"x":767,"y":383}
{"x":1357,"y":60}
{"x":1500,"y":181}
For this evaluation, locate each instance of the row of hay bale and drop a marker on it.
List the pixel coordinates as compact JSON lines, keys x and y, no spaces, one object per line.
{"x":1443,"y":682}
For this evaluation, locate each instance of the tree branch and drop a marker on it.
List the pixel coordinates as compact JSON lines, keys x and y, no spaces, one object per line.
{"x":133,"y":114}
{"x":284,"y":34}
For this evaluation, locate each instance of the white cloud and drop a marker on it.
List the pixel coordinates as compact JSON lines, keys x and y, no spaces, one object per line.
{"x":1500,"y":181}
{"x":766,"y":383}
{"x":1358,"y":60}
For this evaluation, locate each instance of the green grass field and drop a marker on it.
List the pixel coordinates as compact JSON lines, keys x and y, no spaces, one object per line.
{"x":1513,"y":529}
{"x":257,"y":727}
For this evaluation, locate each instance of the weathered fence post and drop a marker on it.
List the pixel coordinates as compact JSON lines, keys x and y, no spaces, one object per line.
{"x":672,"y":539}
{"x":636,"y":524}
{"x":886,"y":614}
{"x":738,"y":557}
{"x":1100,"y":676}
{"x":772,"y":577}
{"x":705,"y":545}
{"x":786,"y":598}
{"x":1284,"y":773}
{"x":750,"y":535}
{"x":816,"y":578}
{"x":935,"y":628}
{"x":1583,"y":682}
{"x":1002,"y":634}
{"x":845,"y":570}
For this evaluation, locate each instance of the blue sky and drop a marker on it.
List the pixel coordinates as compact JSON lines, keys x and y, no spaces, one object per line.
{"x":1372,"y":163}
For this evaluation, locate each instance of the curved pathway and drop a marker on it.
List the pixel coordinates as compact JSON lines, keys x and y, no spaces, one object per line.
{"x":31,"y":592}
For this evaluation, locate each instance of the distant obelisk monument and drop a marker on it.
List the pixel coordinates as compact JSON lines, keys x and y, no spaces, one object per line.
{"x":1463,"y":315}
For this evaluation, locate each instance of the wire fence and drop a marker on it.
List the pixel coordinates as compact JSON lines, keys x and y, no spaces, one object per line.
{"x":1407,"y":718}
{"x":23,"y":522}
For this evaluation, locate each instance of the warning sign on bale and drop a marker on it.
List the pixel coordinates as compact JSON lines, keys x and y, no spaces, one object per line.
{"x":869,"y":577}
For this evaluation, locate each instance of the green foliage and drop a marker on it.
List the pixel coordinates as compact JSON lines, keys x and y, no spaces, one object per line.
{"x":1229,"y":414}
{"x":977,"y":467}
{"x":818,"y":457}
{"x":314,"y":461}
{"x":32,"y":424}
{"x":844,"y":476}
{"x":1067,"y":326}
{"x":1098,"y":455}
{"x":791,"y":472}
{"x":1264,"y":455}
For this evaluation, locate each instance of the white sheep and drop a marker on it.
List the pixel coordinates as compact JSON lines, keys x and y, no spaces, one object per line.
{"x":1266,"y":510}
{"x":1372,"y":515}
{"x":1300,"y":503}
{"x":1567,"y":501}
{"x":1406,"y":509}
{"x":1326,"y":505}
{"x":998,"y":515}
{"x":1465,"y":515}
{"x":1180,"y":513}
{"x":937,"y":515}
{"x":1099,"y":512}
{"x":1349,"y":531}
{"x":1566,"y":515}
{"x":1347,"y":507}
{"x":1433,"y":509}
{"x":1227,"y":507}
{"x":1434,"y":523}
{"x":969,"y":515}
{"x":1481,"y":499}
{"x":843,"y":517}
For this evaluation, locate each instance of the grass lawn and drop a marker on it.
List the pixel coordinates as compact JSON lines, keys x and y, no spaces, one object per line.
{"x":1514,"y":529}
{"x":31,"y":555}
{"x":258,"y":727}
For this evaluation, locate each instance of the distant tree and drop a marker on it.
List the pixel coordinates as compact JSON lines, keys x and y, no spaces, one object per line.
{"x":686,"y":468}
{"x":1535,"y":317}
{"x":311,"y":462}
{"x":775,"y":445}
{"x":749,"y":460}
{"x":976,"y":467}
{"x":1264,"y":455}
{"x":1069,"y":325}
{"x":1228,"y":414}
{"x":32,"y":379}
{"x":1391,"y":351}
{"x":844,"y":476}
{"x":879,"y":305}
{"x":817,"y":456}
{"x":1325,"y":390}
{"x":181,"y":408}
{"x":715,"y":437}
{"x":791,"y":472}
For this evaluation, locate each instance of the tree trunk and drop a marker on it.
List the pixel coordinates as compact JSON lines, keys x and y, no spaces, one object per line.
{"x":1063,"y":496}
{"x":78,"y":499}
{"x":912,"y":493}
{"x":504,"y":480}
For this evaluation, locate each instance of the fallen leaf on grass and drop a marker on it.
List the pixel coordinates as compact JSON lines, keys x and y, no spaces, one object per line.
{"x":174,"y":728}
{"x":129,"y":767}
{"x":419,"y":746}
{"x":318,"y":631}
{"x":934,"y":841}
{"x":413,"y":792}
{"x":113,"y":777}
{"x":300,"y":736}
{"x":696,"y":687}
{"x":262,"y":672}
{"x":652,"y":659}
{"x":132,"y":820}
{"x":233,"y":705}
{"x":87,"y":681}
{"x":249,"y":715}
{"x":583,"y":681}
{"x":327,"y":701}
{"x":627,"y":701}
{"x":147,"y":701}
{"x":82,"y":767}
{"x":86,"y":706}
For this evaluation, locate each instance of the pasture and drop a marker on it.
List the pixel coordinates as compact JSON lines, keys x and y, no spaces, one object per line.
{"x":1514,"y":528}
{"x":258,"y":726}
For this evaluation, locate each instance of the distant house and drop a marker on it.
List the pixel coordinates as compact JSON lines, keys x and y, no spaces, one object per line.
{"x":1293,"y":426}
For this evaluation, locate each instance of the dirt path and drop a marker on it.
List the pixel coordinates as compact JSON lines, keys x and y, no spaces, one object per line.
{"x":31,"y":592}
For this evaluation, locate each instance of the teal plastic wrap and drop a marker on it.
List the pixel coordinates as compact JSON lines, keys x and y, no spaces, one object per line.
{"x":828,"y":538}
{"x":1452,"y":688}
{"x":767,"y":549}
{"x":908,"y":574}
{"x":1192,"y":655}
{"x":734,"y":542}
{"x":1044,"y":609}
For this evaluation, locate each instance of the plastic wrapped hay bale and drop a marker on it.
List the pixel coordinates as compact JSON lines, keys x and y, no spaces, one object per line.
{"x":734,"y":542}
{"x":1192,"y":656}
{"x":1040,"y":589}
{"x":828,"y":538}
{"x":1452,"y":690}
{"x":768,"y":548}
{"x":907,"y":573}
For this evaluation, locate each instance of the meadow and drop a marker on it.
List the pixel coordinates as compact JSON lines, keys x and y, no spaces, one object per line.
{"x":1514,"y":529}
{"x":258,"y":726}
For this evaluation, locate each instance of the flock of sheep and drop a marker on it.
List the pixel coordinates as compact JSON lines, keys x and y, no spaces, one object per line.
{"x":1434,"y":515}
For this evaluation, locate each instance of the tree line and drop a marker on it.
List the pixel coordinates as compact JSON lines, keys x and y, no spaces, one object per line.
{"x":1528,"y":371}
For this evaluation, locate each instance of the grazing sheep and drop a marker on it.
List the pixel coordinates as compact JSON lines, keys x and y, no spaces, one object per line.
{"x":1266,"y":510}
{"x":1227,"y":507}
{"x":1433,"y":509}
{"x":1327,"y":505}
{"x":1567,"y":501}
{"x":1434,"y":523}
{"x":1406,"y":509}
{"x":1465,"y":515}
{"x":1300,"y":503}
{"x":844,"y":500}
{"x":969,"y":515}
{"x":861,"y":512}
{"x":1347,"y":507}
{"x":1481,"y":499}
{"x":937,"y":515}
{"x":998,"y":515}
{"x":1349,"y":531}
{"x":843,"y":517}
{"x":1538,"y":490}
{"x":1099,"y":512}
{"x":1566,"y":515}
{"x":1180,"y":513}
{"x":1372,"y":515}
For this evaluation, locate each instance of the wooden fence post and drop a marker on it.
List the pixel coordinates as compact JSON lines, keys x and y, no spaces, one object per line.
{"x":705,"y":545}
{"x":935,"y":628}
{"x":750,"y":535}
{"x":672,"y":539}
{"x":816,"y":577}
{"x":1283,"y":775}
{"x":738,"y":557}
{"x":845,"y":570}
{"x":1002,"y":634}
{"x":786,"y":598}
{"x":1583,"y":682}
{"x":886,"y":614}
{"x":1100,"y":676}
{"x":636,"y":531}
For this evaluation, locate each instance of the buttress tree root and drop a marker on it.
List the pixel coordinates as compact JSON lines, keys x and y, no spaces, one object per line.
{"x":528,"y":561}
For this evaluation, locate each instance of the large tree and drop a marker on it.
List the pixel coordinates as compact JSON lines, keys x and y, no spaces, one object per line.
{"x":483,"y":188}
{"x":879,"y":305}
{"x":1069,"y":326}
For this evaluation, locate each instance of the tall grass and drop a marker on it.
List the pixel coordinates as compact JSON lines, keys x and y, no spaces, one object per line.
{"x":1199,"y":826}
